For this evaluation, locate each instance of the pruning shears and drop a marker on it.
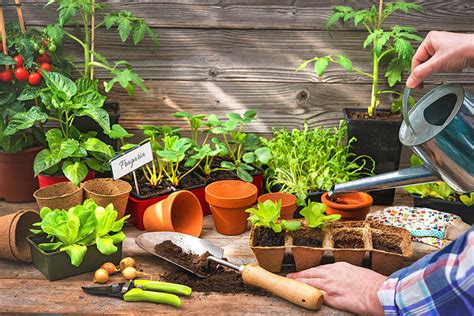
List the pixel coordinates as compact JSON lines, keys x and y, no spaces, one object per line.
{"x":143,"y":291}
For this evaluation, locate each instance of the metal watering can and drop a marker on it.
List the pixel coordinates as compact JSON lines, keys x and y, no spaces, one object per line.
{"x":440,"y":130}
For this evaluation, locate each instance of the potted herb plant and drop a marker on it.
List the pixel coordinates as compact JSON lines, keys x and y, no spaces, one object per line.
{"x":439,"y":196}
{"x":268,"y":234}
{"x":376,"y":130}
{"x":307,"y":242}
{"x":307,"y":162}
{"x":76,"y":241}
{"x":93,"y":17}
{"x":22,"y":55}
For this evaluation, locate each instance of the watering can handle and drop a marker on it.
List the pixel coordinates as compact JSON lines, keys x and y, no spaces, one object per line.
{"x":406,"y":119}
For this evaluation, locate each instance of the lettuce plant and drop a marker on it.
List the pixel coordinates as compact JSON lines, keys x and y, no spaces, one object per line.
{"x":315,"y":217}
{"x":267,"y":214}
{"x":81,"y":226}
{"x":393,"y":46}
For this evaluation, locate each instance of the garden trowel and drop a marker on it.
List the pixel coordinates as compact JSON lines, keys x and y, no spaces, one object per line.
{"x":291,"y":290}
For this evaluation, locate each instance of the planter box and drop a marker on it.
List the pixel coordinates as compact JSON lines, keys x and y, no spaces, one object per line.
{"x":465,"y":212}
{"x":57,"y":265}
{"x":378,"y":139}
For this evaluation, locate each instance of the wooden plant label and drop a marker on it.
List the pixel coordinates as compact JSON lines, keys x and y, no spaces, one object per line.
{"x":131,"y":160}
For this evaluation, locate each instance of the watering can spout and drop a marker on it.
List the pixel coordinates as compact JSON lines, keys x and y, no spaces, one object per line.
{"x":389,"y":180}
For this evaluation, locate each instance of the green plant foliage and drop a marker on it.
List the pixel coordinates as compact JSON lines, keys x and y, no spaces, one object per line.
{"x":391,"y":46}
{"x":311,"y":160}
{"x":73,"y":12}
{"x":315,"y":217}
{"x":267,"y":214}
{"x":467,"y":199}
{"x":81,"y":226}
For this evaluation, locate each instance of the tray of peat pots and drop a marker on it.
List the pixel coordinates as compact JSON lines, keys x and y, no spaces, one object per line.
{"x":391,"y":246}
{"x":62,"y":195}
{"x":349,"y":241}
{"x":228,"y":200}
{"x":105,"y":191}
{"x":310,"y":240}
{"x":268,"y":236}
{"x":351,"y":206}
{"x":98,"y":239}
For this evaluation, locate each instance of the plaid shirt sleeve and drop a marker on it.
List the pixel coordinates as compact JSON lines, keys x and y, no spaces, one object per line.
{"x":441,"y":283}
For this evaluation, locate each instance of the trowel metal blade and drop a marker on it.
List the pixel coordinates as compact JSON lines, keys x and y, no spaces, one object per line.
{"x":197,"y":246}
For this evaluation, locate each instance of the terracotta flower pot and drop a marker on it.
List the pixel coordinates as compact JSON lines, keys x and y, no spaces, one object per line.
{"x":62,"y":195}
{"x":351,"y":206}
{"x":105,"y":191}
{"x":45,"y":180}
{"x":14,"y":228}
{"x":17,"y":180}
{"x":180,"y":212}
{"x":228,"y":200}
{"x":288,"y":203}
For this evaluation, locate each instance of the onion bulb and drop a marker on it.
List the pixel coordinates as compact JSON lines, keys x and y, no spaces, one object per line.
{"x":110,"y":267}
{"x":131,"y":273}
{"x":101,"y":276}
{"x":127,"y":262}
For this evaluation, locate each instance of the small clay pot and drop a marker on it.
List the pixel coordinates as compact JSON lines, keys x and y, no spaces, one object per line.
{"x":14,"y":228}
{"x":180,"y":212}
{"x":63,"y":196}
{"x":105,"y":191}
{"x":288,"y":202}
{"x":351,"y":206}
{"x":228,"y":200}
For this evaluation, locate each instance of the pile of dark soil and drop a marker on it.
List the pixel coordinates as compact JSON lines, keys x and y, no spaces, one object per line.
{"x":347,"y":238}
{"x":222,"y":281}
{"x":387,"y":242}
{"x":266,"y":237}
{"x":308,"y":237}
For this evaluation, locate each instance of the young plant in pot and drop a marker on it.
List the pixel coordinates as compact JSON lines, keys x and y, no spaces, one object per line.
{"x":376,"y":129}
{"x":22,"y":118}
{"x":76,"y":241}
{"x":71,"y":155}
{"x":307,"y":162}
{"x":439,"y":196}
{"x":307,"y":245}
{"x":268,"y":235}
{"x":94,"y":16}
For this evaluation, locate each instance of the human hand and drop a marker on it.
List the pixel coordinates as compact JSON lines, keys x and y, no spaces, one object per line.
{"x":441,"y":52}
{"x":345,"y":286}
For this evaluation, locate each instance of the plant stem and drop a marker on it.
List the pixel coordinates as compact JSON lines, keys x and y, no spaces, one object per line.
{"x":75,"y":39}
{"x":388,"y":51}
{"x":390,"y":91}
{"x":375,"y":79}
{"x":101,"y":65}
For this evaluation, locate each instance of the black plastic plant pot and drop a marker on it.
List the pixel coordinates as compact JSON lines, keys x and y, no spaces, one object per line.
{"x":57,"y":265}
{"x":86,"y":124}
{"x":465,"y":212}
{"x":379,"y":140}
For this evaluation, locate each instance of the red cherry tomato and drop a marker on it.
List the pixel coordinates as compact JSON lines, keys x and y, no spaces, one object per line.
{"x":45,"y":58}
{"x":6,"y":75}
{"x":21,"y":74}
{"x":45,"y":67}
{"x":19,"y":61}
{"x":34,"y":79}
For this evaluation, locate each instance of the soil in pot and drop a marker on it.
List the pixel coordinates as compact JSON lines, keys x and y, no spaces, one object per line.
{"x":348,"y":239}
{"x":386,"y":242}
{"x":266,"y":237}
{"x":308,"y":238}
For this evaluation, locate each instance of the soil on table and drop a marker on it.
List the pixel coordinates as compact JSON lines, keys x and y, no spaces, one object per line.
{"x":387,"y":242}
{"x":148,"y":191}
{"x":308,"y":237}
{"x":266,"y":237}
{"x":379,"y":115}
{"x":347,"y":238}
{"x":193,"y":262}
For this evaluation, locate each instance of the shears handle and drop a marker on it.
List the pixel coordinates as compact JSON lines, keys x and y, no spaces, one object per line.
{"x":139,"y":295}
{"x":166,"y":287}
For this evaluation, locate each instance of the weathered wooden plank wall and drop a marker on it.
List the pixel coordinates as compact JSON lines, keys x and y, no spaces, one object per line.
{"x":221,"y":55}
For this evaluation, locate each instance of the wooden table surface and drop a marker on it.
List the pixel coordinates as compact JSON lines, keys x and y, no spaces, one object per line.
{"x":25,"y":289}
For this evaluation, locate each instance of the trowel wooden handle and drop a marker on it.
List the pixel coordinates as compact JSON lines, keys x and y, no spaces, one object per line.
{"x":291,"y":290}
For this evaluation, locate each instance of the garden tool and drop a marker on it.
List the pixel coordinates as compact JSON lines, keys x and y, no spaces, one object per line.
{"x":143,"y":291}
{"x":440,"y":130}
{"x":291,"y":290}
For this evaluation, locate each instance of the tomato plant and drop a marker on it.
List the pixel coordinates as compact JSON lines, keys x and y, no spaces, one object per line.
{"x":44,"y":66}
{"x":21,"y":74}
{"x":19,"y":61}
{"x":34,"y":79}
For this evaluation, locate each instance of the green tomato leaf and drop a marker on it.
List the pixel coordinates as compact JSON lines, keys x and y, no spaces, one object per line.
{"x":345,"y":62}
{"x":320,"y":66}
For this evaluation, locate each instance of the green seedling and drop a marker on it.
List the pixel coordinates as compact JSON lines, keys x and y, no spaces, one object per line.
{"x":315,"y":215}
{"x":267,"y":214}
